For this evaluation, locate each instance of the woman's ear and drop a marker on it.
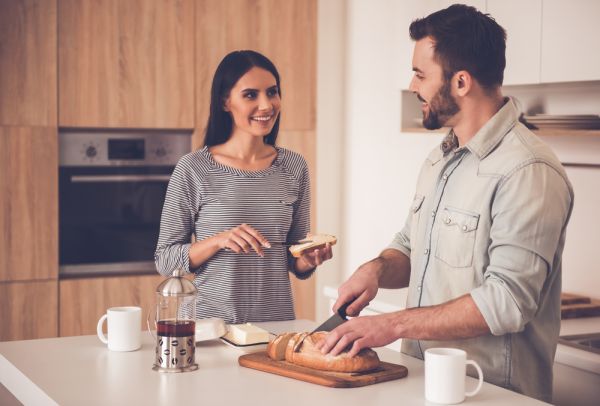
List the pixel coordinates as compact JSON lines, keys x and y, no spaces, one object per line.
{"x":225,"y":104}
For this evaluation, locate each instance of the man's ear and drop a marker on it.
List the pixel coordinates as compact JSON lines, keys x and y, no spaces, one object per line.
{"x":463,"y":81}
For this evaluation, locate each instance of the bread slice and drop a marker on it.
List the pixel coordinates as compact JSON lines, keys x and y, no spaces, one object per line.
{"x":316,"y":241}
{"x":276,"y":348}
{"x":301,"y":350}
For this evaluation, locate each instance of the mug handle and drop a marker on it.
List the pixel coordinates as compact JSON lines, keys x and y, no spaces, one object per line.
{"x":101,"y":335}
{"x":479,"y":375}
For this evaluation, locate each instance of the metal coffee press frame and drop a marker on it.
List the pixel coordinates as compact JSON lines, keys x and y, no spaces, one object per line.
{"x":174,"y":354}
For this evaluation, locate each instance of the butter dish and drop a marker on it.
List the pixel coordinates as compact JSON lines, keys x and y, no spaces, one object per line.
{"x":210,"y":329}
{"x":245,"y":348}
{"x":246,"y":334}
{"x":246,"y":337}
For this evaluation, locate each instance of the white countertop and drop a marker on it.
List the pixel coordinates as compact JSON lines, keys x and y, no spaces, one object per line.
{"x":81,"y":370}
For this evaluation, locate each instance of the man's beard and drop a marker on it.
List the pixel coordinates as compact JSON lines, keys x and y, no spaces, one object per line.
{"x":442,"y":107}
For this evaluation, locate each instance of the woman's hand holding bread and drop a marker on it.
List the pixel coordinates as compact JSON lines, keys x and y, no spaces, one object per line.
{"x":313,"y":253}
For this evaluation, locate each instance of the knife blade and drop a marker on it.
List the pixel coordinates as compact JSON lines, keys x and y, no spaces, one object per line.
{"x":290,"y":243}
{"x":337,"y":319}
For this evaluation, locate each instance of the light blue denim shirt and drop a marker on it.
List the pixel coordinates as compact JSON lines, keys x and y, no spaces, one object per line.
{"x":489,"y":219}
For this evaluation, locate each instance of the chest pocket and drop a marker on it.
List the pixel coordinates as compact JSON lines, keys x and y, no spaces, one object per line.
{"x":456,"y":237}
{"x":281,"y":214}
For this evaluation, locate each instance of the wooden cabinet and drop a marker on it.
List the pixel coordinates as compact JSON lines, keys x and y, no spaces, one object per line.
{"x":570,"y":33}
{"x":284,"y":31}
{"x":28,"y":62}
{"x":523,"y":42}
{"x":29,"y":204}
{"x":126,"y":64}
{"x":84,"y":301}
{"x":28,"y":310}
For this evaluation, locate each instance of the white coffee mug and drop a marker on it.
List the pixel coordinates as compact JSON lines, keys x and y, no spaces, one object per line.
{"x":124,"y":328}
{"x":445,"y":374}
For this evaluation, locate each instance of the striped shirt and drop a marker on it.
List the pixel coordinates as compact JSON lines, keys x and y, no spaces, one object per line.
{"x":205,"y":198}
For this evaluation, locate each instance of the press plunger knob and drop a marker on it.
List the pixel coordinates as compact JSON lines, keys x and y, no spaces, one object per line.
{"x":91,"y":151}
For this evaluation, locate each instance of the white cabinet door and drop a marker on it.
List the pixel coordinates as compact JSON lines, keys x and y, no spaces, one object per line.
{"x":570,"y":40}
{"x":522,"y":21}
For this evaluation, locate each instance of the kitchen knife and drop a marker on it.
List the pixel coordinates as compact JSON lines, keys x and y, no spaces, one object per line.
{"x":290,"y":243}
{"x":337,"y":319}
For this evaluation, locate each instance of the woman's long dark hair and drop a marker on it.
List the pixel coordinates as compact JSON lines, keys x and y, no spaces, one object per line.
{"x":229,"y":71}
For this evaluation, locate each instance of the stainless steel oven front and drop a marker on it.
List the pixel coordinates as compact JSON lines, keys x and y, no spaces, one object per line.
{"x":111,"y":192}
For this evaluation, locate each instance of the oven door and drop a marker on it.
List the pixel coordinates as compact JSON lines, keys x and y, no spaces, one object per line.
{"x":110,"y":219}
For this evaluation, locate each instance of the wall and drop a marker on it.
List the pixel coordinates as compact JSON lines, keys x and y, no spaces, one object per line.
{"x":377,"y":171}
{"x":379,"y":164}
{"x":330,"y":88}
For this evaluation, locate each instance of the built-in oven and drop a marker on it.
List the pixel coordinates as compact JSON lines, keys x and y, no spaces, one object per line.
{"x":111,"y":192}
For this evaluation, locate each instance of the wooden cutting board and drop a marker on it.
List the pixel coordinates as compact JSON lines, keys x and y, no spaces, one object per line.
{"x":262,"y":362}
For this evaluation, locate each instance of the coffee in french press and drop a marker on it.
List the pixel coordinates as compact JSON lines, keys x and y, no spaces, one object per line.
{"x":175,"y":325}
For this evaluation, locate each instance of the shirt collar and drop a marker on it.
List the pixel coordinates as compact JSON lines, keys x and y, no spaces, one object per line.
{"x":488,"y":136}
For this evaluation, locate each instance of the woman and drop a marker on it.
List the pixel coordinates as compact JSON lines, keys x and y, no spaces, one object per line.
{"x":242,"y":198}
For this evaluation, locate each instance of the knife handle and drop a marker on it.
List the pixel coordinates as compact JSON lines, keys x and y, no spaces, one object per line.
{"x":342,"y":310}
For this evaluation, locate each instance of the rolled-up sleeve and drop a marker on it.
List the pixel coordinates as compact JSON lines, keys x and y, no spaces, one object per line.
{"x":176,"y":224}
{"x":529,"y":213}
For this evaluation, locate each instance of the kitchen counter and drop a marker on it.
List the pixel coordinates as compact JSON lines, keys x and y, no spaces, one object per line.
{"x":577,"y":372}
{"x":81,"y":370}
{"x":575,"y":357}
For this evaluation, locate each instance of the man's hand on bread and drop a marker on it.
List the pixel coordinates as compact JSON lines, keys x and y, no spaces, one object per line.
{"x":360,"y":332}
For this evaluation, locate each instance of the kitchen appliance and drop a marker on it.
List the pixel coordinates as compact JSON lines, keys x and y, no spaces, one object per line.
{"x":175,"y":324}
{"x":112,"y":187}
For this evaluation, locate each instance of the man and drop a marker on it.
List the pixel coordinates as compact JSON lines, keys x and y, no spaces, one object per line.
{"x":481,"y":249}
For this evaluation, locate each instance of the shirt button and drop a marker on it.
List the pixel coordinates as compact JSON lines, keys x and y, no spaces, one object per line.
{"x":433,"y":213}
{"x":464,"y":228}
{"x":445,"y":177}
{"x":426,"y":251}
{"x":419,"y":288}
{"x":448,"y":220}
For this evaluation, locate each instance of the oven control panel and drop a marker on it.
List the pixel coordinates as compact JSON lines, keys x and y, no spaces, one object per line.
{"x":88,"y":148}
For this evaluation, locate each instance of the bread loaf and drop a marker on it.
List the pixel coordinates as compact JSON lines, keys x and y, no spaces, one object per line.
{"x":300,"y":349}
{"x":315,"y":241}
{"x":276,"y":348}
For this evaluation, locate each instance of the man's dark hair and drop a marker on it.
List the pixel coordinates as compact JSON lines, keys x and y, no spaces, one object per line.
{"x":465,"y":39}
{"x":229,"y":71}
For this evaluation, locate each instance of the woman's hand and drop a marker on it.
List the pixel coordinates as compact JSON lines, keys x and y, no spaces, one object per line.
{"x":243,"y":238}
{"x":312,"y":258}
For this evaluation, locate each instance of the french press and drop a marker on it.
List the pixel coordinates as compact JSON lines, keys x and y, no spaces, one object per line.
{"x":175,"y":325}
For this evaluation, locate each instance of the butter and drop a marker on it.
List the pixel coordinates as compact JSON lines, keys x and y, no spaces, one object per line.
{"x":246,"y":334}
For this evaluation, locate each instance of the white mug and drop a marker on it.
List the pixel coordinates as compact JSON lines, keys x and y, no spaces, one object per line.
{"x":124,"y":328}
{"x":445,"y":372}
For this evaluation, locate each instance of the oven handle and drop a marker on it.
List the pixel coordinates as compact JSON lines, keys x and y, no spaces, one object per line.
{"x":119,"y":178}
